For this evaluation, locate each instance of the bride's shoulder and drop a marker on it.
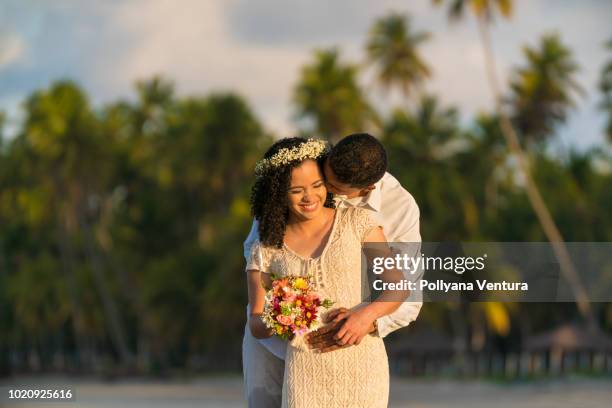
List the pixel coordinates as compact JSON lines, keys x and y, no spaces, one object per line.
{"x":269,"y":249}
{"x":356,"y":218}
{"x":262,"y":253}
{"x":353,"y":213}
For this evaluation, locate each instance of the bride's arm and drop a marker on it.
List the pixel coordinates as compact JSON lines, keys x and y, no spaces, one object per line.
{"x":256,"y":300}
{"x":360,"y":320}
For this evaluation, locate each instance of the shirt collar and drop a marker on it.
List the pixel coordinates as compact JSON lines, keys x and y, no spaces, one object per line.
{"x":372,"y":200}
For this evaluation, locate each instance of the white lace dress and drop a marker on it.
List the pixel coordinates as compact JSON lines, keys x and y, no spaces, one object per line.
{"x":357,"y":376}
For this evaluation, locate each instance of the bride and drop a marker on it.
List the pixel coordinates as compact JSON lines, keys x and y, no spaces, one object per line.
{"x":300,"y":233}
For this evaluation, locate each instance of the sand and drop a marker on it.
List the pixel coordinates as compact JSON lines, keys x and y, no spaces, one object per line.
{"x":226,"y":392}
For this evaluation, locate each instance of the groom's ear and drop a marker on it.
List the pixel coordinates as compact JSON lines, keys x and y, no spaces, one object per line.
{"x":366,"y":190}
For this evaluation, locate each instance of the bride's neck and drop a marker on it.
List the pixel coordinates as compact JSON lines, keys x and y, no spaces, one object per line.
{"x":310,"y":225}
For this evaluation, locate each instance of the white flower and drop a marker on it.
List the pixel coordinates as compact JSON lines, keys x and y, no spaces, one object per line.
{"x":312,"y":149}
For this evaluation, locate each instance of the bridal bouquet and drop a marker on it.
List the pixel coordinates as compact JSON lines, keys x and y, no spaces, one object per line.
{"x":292,"y":306}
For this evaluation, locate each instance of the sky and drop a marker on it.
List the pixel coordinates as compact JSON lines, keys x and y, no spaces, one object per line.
{"x":257,"y":48}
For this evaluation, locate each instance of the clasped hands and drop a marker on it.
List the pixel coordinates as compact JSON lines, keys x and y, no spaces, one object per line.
{"x":343,"y":328}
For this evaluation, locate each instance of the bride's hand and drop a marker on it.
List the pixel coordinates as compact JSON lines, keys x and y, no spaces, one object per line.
{"x":323,"y":340}
{"x":359,"y":323}
{"x":258,"y":328}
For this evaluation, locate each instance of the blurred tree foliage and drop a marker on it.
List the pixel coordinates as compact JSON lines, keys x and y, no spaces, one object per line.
{"x":605,"y":86}
{"x":543,"y":91}
{"x":122,"y":226}
{"x":329,"y":99}
{"x":392,"y":48}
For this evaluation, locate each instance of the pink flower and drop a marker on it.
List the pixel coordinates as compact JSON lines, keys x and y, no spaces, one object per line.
{"x":311,"y":298}
{"x":284,"y":320}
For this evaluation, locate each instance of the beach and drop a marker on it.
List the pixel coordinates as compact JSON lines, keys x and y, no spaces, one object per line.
{"x":226,"y":392}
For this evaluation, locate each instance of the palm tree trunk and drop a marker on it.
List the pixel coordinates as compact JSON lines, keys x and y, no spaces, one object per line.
{"x":4,"y":344}
{"x":67,"y":259}
{"x":128,"y":287}
{"x":568,"y":270}
{"x":130,"y":293}
{"x":117,"y":334}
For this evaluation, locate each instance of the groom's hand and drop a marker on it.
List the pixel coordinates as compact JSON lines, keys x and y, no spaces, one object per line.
{"x":322,"y":340}
{"x":336,"y":315}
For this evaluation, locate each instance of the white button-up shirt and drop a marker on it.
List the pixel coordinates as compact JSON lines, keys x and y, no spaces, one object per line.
{"x":397,"y":212}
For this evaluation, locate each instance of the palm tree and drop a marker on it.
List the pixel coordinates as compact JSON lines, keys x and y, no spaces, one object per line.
{"x":423,"y":133}
{"x":484,"y":11}
{"x":605,"y":86}
{"x":2,"y":122}
{"x":328,"y":96}
{"x":489,"y":155}
{"x":392,"y":49}
{"x":542,"y":91}
{"x":154,"y":95}
{"x":62,"y":132}
{"x":422,"y":143}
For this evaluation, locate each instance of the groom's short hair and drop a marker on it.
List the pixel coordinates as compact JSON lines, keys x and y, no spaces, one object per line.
{"x":359,"y":160}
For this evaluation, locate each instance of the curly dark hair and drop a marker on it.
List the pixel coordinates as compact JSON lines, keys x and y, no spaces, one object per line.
{"x":269,"y":194}
{"x":359,"y":160}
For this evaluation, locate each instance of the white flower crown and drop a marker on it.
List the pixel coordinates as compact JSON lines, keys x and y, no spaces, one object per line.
{"x":312,"y":149}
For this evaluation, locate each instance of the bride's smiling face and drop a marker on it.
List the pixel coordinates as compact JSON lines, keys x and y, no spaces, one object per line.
{"x":307,"y":192}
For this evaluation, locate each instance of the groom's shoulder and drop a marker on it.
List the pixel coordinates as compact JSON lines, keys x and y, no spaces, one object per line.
{"x":392,"y":190}
{"x":389,"y":182}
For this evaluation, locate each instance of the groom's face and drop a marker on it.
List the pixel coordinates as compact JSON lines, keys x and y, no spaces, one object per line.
{"x":337,"y":187}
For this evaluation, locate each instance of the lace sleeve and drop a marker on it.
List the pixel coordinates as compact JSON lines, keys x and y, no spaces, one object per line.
{"x":363,"y":222}
{"x":258,"y":260}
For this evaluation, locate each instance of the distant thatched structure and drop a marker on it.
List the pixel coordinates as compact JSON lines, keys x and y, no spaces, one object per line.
{"x":570,"y":338}
{"x":420,"y":350}
{"x":571,"y":346}
{"x":423,"y":340}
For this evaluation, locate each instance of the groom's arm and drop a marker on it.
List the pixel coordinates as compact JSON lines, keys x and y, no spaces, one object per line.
{"x":407,"y":215}
{"x":409,"y":310}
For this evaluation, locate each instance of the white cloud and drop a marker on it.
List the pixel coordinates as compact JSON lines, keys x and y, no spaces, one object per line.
{"x":257,"y":48}
{"x":12,"y":48}
{"x":191,"y":45}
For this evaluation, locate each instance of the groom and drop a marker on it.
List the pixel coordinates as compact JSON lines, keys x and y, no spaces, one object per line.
{"x":355,"y":171}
